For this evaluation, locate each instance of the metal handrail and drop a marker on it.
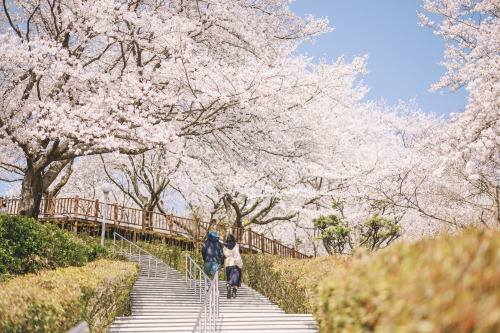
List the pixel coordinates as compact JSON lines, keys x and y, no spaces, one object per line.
{"x":191,"y":277}
{"x":209,"y":311}
{"x":149,"y":255}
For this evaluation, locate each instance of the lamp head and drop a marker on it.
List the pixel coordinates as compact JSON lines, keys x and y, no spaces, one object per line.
{"x":106,"y":188}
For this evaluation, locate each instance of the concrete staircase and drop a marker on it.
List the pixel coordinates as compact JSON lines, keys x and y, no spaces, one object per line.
{"x":168,"y":305}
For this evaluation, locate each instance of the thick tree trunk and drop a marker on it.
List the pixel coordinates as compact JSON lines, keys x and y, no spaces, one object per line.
{"x":238,"y":221}
{"x":31,"y":193}
{"x":50,"y":175}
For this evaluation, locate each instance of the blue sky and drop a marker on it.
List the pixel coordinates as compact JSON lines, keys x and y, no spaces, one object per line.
{"x":403,"y":57}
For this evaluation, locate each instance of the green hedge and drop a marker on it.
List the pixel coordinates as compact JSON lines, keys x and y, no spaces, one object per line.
{"x":57,"y":300}
{"x":447,"y":284}
{"x":27,"y":246}
{"x":290,"y":283}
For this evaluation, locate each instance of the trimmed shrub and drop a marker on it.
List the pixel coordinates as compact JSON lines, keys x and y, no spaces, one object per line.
{"x":57,"y":300}
{"x":448,"y":284}
{"x":22,"y":244}
{"x":290,"y":283}
{"x":27,"y":246}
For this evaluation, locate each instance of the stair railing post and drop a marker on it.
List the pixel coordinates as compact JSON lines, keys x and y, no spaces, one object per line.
{"x":216,"y":299}
{"x":205,"y":317}
{"x":192,"y":277}
{"x":156,"y":267}
{"x":210,"y":316}
{"x":218,"y":293}
{"x":114,"y":240}
{"x":197,"y":284}
{"x":204,"y":282}
{"x":121,"y":247}
{"x":149,"y":264}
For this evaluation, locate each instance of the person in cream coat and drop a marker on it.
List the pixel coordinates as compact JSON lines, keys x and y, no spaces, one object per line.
{"x":233,"y":263}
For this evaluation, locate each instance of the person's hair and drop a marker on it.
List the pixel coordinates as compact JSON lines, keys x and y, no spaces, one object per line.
{"x":230,"y":238}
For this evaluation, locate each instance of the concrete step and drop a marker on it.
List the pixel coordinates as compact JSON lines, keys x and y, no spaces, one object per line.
{"x":221,"y":323}
{"x":235,"y":307}
{"x":224,"y":303}
{"x":235,"y":328}
{"x":181,"y":301}
{"x":162,"y":310}
{"x":164,"y":301}
{"x":243,"y":316}
{"x":227,"y":317}
{"x":192,"y":295}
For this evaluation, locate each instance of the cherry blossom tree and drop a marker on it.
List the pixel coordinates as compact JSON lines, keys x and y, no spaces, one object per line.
{"x":265,"y":182}
{"x":93,"y":77}
{"x":472,"y":139}
{"x":143,"y":178}
{"x":419,"y":180}
{"x":352,"y":147}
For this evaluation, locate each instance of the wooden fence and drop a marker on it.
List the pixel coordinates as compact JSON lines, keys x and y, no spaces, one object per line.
{"x":92,"y":211}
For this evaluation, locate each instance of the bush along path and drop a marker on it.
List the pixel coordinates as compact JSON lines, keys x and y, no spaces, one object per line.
{"x":27,"y":246}
{"x":444,"y":284}
{"x":163,"y":302}
{"x":57,"y":300}
{"x":51,"y":280}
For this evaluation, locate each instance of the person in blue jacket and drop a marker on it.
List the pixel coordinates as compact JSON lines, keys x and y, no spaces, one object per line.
{"x":212,"y":254}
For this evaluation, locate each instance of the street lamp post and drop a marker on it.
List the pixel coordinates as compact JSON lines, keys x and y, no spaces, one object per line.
{"x":106,"y":188}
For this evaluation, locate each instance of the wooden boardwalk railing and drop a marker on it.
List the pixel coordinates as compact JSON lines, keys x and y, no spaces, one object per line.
{"x":90,"y":210}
